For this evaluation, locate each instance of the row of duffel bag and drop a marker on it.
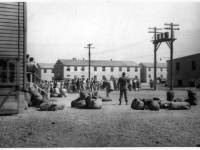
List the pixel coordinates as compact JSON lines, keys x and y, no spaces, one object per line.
{"x":155,"y":105}
{"x":89,"y":103}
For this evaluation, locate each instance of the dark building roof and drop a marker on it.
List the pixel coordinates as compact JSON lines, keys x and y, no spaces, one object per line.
{"x":46,"y":65}
{"x":185,"y":57}
{"x":98,"y":63}
{"x":151,"y":65}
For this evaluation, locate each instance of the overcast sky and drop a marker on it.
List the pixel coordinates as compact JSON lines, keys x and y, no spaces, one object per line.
{"x":117,"y":29}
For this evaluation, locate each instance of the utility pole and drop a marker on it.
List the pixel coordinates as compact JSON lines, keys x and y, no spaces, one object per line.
{"x":156,"y":46}
{"x":89,"y":47}
{"x":170,"y":44}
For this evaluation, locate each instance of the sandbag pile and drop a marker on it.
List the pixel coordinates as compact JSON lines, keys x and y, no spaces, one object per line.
{"x":87,"y":100}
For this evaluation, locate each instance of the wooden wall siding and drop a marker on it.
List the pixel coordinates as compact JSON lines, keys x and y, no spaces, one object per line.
{"x":12,"y":34}
{"x":12,"y":47}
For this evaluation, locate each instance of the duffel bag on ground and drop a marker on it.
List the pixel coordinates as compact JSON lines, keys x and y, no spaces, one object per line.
{"x":179,"y":106}
{"x":48,"y":106}
{"x":60,"y":106}
{"x":177,"y":100}
{"x":137,"y":104}
{"x":35,"y":96}
{"x":156,"y":99}
{"x":74,"y":102}
{"x":192,"y":98}
{"x":84,"y":94}
{"x":153,"y":105}
{"x":106,"y":99}
{"x":82,"y":104}
{"x":170,"y":95}
{"x":95,"y":103}
{"x":164,"y":104}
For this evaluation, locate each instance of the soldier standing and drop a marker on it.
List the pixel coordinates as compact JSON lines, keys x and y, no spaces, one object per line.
{"x":123,"y":83}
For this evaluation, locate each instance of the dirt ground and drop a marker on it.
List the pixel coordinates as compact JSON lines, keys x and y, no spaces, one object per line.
{"x":112,"y":126}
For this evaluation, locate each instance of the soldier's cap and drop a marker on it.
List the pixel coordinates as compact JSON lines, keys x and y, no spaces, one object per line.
{"x":123,"y":73}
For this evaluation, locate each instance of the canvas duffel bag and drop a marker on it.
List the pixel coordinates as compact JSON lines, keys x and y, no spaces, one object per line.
{"x":153,"y":105}
{"x":82,"y":104}
{"x":60,"y":106}
{"x":84,"y":94}
{"x":179,"y":106}
{"x":137,"y":104}
{"x":192,"y":98}
{"x":170,"y":95}
{"x":164,"y":104}
{"x":106,"y":99}
{"x":95,"y":103}
{"x":48,"y":106}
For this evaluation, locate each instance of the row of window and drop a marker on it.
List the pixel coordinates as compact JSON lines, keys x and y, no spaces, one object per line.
{"x":161,"y":69}
{"x":103,"y":69}
{"x":193,"y":66}
{"x":82,"y":76}
{"x":161,"y":76}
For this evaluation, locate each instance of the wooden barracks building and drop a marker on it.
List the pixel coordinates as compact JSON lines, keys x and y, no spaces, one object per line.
{"x":147,"y":71}
{"x":184,"y":69}
{"x":73,"y":68}
{"x":12,"y":56}
{"x":46,"y":71}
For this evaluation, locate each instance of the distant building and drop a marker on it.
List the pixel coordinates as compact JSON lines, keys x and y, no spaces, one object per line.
{"x":184,"y":69}
{"x":46,"y":71}
{"x":66,"y":68}
{"x":147,"y":71}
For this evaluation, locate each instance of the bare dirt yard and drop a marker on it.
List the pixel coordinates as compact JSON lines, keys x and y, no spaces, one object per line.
{"x":112,"y":126}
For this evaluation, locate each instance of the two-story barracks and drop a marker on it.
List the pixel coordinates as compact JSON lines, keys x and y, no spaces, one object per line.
{"x":73,"y":68}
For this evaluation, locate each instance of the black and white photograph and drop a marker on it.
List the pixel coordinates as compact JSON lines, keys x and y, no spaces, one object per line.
{"x":99,"y":74}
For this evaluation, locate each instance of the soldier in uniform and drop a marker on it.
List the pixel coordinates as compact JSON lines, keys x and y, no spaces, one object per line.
{"x":123,"y":87}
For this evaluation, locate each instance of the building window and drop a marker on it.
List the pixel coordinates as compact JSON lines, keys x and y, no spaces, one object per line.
{"x":149,"y":69}
{"x":103,"y":68}
{"x":178,"y":66}
{"x":120,"y":68}
{"x":45,"y":70}
{"x":128,"y":69}
{"x":83,"y":68}
{"x":149,"y":76}
{"x":75,"y":68}
{"x":68,"y":75}
{"x":52,"y":78}
{"x":161,"y":69}
{"x":136,"y":69}
{"x":193,"y":65}
{"x":52,"y":71}
{"x":161,"y":76}
{"x":95,"y":68}
{"x":75,"y":76}
{"x":68,"y":68}
{"x":111,"y":69}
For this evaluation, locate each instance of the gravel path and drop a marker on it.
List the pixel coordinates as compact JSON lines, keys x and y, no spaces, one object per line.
{"x":111,"y":126}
